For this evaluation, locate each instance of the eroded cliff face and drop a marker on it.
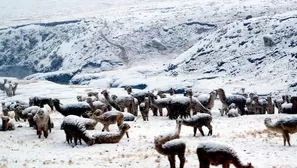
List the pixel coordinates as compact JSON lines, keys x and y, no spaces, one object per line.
{"x":91,"y":46}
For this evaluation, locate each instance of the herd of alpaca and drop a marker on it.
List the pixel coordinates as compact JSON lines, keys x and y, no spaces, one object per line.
{"x":188,"y":109}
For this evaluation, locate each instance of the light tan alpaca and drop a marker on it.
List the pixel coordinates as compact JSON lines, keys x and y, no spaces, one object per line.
{"x":109,"y":117}
{"x":172,"y":135}
{"x":170,"y":149}
{"x":111,"y":137}
{"x":208,"y":101}
{"x":285,"y":126}
{"x":210,"y":153}
{"x":169,"y":145}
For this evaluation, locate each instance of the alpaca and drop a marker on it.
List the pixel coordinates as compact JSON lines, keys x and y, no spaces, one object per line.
{"x":239,"y":100}
{"x":270,"y":105}
{"x":290,"y":108}
{"x":111,"y":137}
{"x":145,"y":108}
{"x":286,"y":125}
{"x":259,"y":105}
{"x":8,"y":88}
{"x":171,"y":91}
{"x":128,"y":88}
{"x":29,"y":113}
{"x":2,"y":84}
{"x":93,"y":94}
{"x":107,"y":118}
{"x":210,"y":153}
{"x":233,"y":111}
{"x":98,"y":105}
{"x":249,"y":103}
{"x":76,"y":127}
{"x":4,"y":125}
{"x":159,"y":104}
{"x":279,"y":101}
{"x":208,"y":100}
{"x":43,"y":122}
{"x":170,"y":145}
{"x":18,"y":111}
{"x":71,"y":109}
{"x":41,"y":101}
{"x":175,"y":134}
{"x":14,"y":87}
{"x":197,"y":121}
{"x":121,"y":102}
{"x":170,"y":149}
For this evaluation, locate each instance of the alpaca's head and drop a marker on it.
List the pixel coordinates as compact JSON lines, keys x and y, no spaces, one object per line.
{"x":124,"y":127}
{"x":56,"y":102}
{"x":104,"y":92}
{"x":79,"y":98}
{"x":267,"y":120}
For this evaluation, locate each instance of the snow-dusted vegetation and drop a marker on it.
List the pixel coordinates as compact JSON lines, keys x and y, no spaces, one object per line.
{"x":60,"y":49}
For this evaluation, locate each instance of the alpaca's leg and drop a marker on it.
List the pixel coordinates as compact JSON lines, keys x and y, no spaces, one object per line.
{"x":127,"y":134}
{"x":45,"y":133}
{"x":75,"y":140}
{"x":182,"y":160}
{"x":195,"y":130}
{"x":210,"y":130}
{"x":204,"y":164}
{"x":201,"y":131}
{"x":226,"y":165}
{"x":171,"y":159}
{"x":161,"y":111}
{"x":107,"y":128}
{"x":286,"y":138}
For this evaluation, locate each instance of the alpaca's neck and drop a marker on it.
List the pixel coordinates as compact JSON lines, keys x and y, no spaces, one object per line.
{"x":159,"y":148}
{"x":92,"y":105}
{"x":108,"y":98}
{"x":238,"y":164}
{"x":59,"y":108}
{"x":272,"y":126}
{"x":177,"y":130}
{"x":222,"y":96}
{"x":211,"y":100}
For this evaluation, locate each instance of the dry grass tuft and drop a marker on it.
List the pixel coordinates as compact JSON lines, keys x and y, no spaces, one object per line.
{"x":258,"y":134}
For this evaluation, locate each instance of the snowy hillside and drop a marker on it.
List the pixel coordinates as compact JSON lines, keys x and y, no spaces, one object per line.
{"x":64,"y":48}
{"x":89,"y":36}
{"x":259,"y":50}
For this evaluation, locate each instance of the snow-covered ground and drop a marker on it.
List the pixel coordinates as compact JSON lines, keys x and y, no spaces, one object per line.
{"x":246,"y":134}
{"x":167,"y":43}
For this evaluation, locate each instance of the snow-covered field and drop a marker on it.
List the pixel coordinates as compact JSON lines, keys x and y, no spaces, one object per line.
{"x":246,"y":134}
{"x":209,"y":44}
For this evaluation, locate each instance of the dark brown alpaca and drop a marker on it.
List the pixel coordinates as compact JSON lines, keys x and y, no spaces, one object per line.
{"x":210,"y":153}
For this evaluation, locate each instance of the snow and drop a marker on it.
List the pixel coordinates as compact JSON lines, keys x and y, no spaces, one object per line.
{"x":209,"y":45}
{"x":246,"y":134}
